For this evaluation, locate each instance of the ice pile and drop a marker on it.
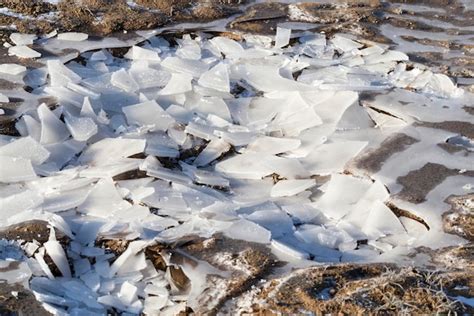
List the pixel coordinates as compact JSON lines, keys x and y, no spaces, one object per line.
{"x":250,"y":138}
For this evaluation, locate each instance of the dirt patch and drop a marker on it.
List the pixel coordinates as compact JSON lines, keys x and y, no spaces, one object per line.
{"x":32,"y":230}
{"x":462,"y":128}
{"x":29,"y":7}
{"x":16,"y":300}
{"x":459,"y":220}
{"x":418,"y":183}
{"x":373,"y":159}
{"x":353,"y":290}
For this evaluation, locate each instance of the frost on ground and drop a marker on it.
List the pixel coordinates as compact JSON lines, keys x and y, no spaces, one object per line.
{"x":309,"y":149}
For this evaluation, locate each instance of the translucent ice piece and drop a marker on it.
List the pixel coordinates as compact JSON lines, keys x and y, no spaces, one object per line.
{"x":16,"y":169}
{"x":148,"y":114}
{"x":179,"y":83}
{"x":291,"y":187}
{"x":337,"y":205}
{"x":22,"y":39}
{"x":275,"y":220}
{"x":110,"y":149}
{"x":124,"y":81}
{"x":103,"y":200}
{"x":332,"y":157}
{"x":345,"y":44}
{"x":188,"y":66}
{"x":140,"y":53}
{"x":256,"y":166}
{"x":52,"y":129}
{"x":248,"y":231}
{"x":230,"y":48}
{"x":27,"y":148}
{"x":381,"y":221}
{"x":282,"y":37}
{"x":12,"y":69}
{"x":213,"y":150}
{"x":73,"y":36}
{"x":216,"y":78}
{"x":81,"y":128}
{"x":57,"y":254}
{"x":273,"y":145}
{"x":23,"y":52}
{"x":60,"y":75}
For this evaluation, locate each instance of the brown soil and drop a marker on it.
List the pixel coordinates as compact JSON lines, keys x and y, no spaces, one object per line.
{"x":462,"y":128}
{"x":418,"y":183}
{"x":16,"y":300}
{"x":459,"y":220}
{"x":29,"y":231}
{"x":356,"y":290}
{"x":373,"y":159}
{"x":29,"y":7}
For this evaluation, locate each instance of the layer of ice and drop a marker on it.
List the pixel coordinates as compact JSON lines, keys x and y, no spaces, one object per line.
{"x":217,"y":136}
{"x":72,"y":36}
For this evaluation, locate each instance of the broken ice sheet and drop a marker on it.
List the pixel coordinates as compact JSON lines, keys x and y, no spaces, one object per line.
{"x":12,"y":69}
{"x":22,"y":39}
{"x":291,"y":187}
{"x":122,"y":79}
{"x":179,"y":83}
{"x":72,"y":36}
{"x":27,"y":148}
{"x":140,"y":53}
{"x":257,"y":166}
{"x":81,"y":128}
{"x":332,"y":157}
{"x":23,"y":52}
{"x":110,"y":149}
{"x":103,"y":200}
{"x":282,"y":37}
{"x":216,"y":78}
{"x":148,"y":113}
{"x":248,"y":231}
{"x":16,"y":169}
{"x":60,"y":75}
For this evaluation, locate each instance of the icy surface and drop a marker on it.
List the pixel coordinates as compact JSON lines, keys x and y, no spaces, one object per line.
{"x":263,"y":143}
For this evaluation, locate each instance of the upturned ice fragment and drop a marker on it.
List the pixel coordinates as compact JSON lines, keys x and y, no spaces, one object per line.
{"x":282,"y":37}
{"x":228,"y":47}
{"x":140,"y":53}
{"x":57,"y":254}
{"x":23,"y":52}
{"x":52,"y":129}
{"x":60,"y":75}
{"x":213,"y":150}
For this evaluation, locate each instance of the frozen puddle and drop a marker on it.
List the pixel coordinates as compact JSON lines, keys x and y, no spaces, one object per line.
{"x":308,"y":145}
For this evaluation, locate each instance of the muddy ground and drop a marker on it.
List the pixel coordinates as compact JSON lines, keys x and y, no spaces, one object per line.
{"x":363,"y":18}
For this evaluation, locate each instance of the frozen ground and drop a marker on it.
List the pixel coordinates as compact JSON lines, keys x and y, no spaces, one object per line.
{"x":309,"y":149}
